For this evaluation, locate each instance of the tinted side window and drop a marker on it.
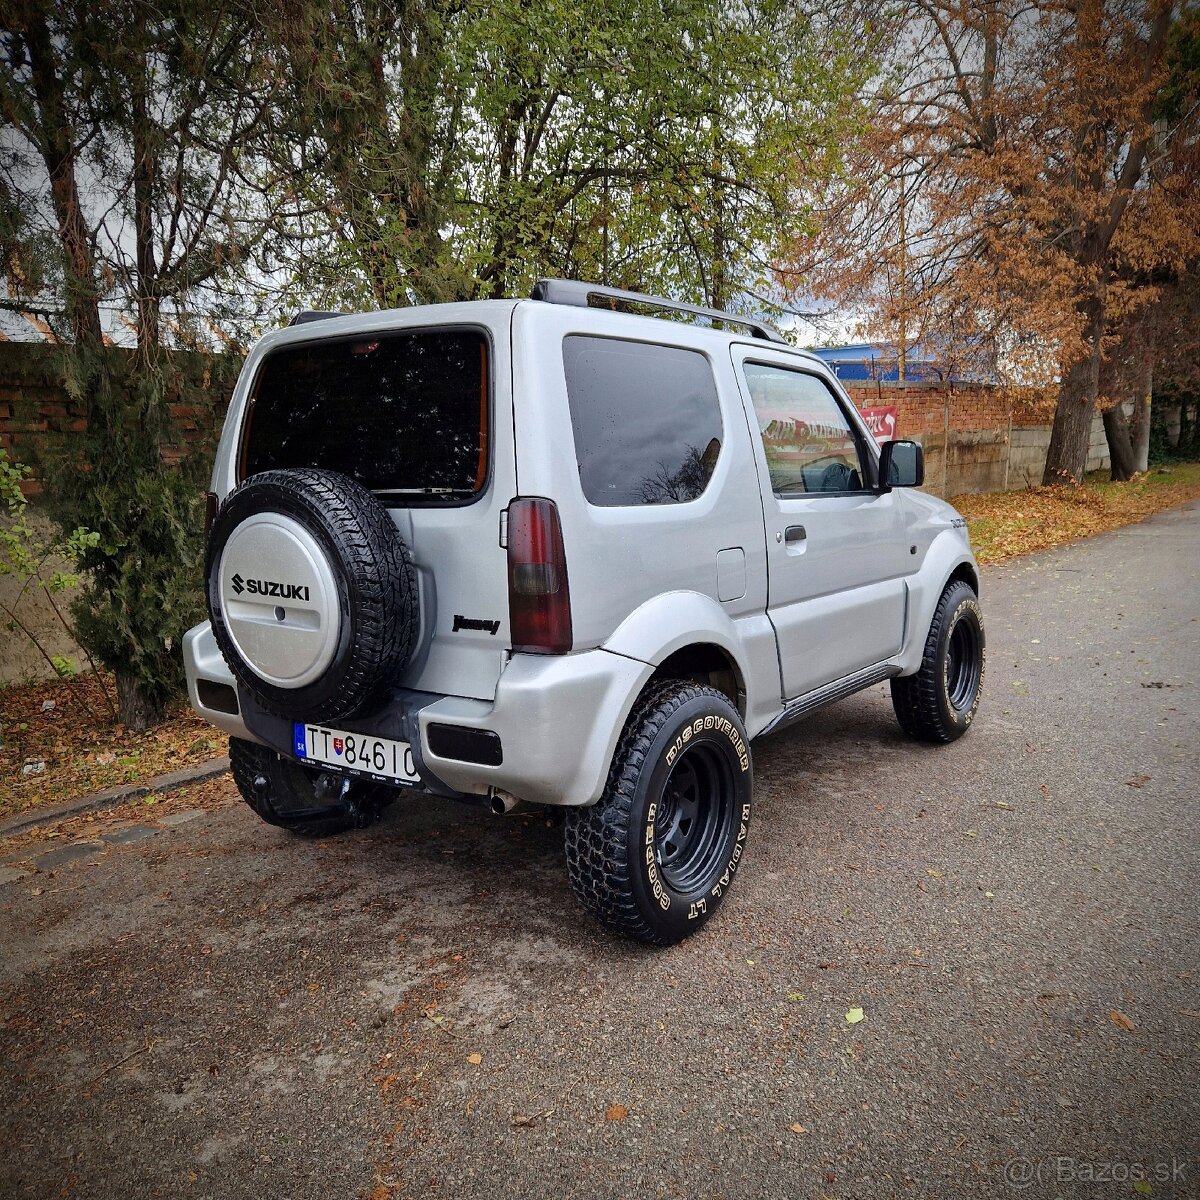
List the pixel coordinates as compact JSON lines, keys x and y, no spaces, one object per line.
{"x":809,"y":443}
{"x":647,"y":421}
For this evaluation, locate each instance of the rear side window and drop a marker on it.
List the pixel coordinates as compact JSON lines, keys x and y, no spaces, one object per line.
{"x":406,"y":414}
{"x":646,"y":419}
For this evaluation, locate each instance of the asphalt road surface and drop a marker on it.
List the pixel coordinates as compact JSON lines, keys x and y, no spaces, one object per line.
{"x":419,"y":1009}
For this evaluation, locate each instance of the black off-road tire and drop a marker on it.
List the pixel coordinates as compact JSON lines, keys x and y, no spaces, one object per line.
{"x":376,"y":584}
{"x":939,"y":702}
{"x":303,"y":800}
{"x":683,"y":749}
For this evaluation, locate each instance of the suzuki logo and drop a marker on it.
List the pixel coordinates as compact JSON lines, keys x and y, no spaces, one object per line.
{"x":269,"y":587}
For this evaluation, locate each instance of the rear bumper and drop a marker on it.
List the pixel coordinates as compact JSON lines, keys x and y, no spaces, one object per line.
{"x":558,"y":719}
{"x":210,"y":681}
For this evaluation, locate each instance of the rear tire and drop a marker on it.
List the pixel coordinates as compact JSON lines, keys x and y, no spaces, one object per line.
{"x":303,"y":800}
{"x":654,"y":857}
{"x":939,"y":702}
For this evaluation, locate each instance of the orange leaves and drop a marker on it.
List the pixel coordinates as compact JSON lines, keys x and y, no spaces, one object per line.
{"x":1004,"y":524}
{"x":1121,"y":1020}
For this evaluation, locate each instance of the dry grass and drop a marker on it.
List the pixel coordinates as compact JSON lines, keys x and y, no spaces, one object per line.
{"x":1004,"y":524}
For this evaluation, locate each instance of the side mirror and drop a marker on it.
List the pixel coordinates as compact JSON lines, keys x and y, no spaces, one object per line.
{"x":901,"y":464}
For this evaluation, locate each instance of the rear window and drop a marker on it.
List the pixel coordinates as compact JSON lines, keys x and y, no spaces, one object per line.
{"x":406,"y":414}
{"x":646,"y":419}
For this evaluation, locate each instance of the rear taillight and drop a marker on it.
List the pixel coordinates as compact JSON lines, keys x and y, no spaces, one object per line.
{"x":539,"y":601}
{"x":210,"y":513}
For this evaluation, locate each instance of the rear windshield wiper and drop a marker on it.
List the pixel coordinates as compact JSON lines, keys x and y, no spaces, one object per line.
{"x":441,"y":493}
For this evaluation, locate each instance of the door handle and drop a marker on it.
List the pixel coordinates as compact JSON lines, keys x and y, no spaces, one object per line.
{"x":794,"y":534}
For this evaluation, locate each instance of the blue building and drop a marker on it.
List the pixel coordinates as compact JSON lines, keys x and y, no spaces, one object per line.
{"x":865,"y":360}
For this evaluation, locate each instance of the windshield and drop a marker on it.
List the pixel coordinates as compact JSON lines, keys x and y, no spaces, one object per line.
{"x":406,"y":414}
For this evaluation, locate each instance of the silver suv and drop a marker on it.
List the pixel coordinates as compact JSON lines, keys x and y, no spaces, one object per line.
{"x":560,"y":551}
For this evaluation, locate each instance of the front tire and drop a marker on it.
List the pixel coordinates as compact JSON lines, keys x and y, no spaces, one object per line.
{"x":939,"y":702}
{"x":654,"y":857}
{"x":303,"y":800}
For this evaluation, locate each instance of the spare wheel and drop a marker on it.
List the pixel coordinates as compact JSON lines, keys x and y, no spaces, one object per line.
{"x":311,"y":593}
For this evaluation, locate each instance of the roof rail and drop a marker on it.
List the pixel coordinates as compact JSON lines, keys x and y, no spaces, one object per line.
{"x":583,"y":295}
{"x":312,"y":314}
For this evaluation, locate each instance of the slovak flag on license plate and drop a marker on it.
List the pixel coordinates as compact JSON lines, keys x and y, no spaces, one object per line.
{"x":338,"y":745}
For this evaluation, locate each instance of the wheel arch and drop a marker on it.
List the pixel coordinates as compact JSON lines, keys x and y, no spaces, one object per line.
{"x":687,"y":635}
{"x":966,"y":572}
{"x":948,"y":559}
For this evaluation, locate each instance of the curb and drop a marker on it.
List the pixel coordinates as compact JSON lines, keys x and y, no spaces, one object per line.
{"x":111,"y":797}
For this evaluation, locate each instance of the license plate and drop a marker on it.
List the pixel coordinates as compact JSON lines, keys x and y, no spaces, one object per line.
{"x":381,"y":758}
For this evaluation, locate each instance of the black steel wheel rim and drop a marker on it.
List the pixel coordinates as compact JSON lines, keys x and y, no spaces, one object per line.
{"x":963,"y":665}
{"x":693,"y":817}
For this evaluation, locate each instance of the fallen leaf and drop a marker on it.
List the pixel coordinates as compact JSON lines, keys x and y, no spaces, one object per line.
{"x":1142,"y":1187}
{"x":854,"y":1016}
{"x":616,"y":1112}
{"x":1118,"y":1018}
{"x":1138,"y":781}
{"x":523,"y":1122}
{"x":797,"y":1128}
{"x":795,"y":995}
{"x":749,"y":962}
{"x":474,"y":1059}
{"x":1002,"y":805}
{"x":970,"y":833}
{"x":933,"y":873}
{"x":990,"y":895}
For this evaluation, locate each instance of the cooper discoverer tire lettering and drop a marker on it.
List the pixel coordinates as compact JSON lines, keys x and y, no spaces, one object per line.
{"x":654,"y":857}
{"x":939,"y":702}
{"x":311,"y":593}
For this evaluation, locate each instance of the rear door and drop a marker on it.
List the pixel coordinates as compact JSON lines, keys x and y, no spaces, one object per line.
{"x":836,"y":557}
{"x":422,"y":417}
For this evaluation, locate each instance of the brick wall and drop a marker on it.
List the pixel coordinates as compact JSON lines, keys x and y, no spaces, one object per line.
{"x":37,"y":412}
{"x":976,"y":438}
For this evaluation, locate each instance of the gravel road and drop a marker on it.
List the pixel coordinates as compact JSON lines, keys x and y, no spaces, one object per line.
{"x":418,"y":1009}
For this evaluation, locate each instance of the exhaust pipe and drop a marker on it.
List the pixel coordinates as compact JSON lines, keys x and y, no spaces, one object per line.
{"x":502,"y":803}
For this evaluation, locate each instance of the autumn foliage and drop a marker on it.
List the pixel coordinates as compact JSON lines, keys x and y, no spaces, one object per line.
{"x":1018,"y":193}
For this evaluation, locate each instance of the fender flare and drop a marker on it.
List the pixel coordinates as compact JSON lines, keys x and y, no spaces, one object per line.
{"x":676,"y":620}
{"x":948,"y":554}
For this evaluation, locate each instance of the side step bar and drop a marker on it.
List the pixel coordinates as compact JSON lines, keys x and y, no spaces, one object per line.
{"x":839,"y":689}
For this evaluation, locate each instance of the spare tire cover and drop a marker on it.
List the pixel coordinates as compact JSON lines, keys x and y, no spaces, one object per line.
{"x":311,"y":593}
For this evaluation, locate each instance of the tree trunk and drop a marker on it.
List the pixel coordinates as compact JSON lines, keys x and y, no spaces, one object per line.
{"x":1120,"y":448}
{"x":57,"y":147}
{"x":134,"y":707}
{"x":1139,"y":429}
{"x":1066,"y":459}
{"x":1111,"y":399}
